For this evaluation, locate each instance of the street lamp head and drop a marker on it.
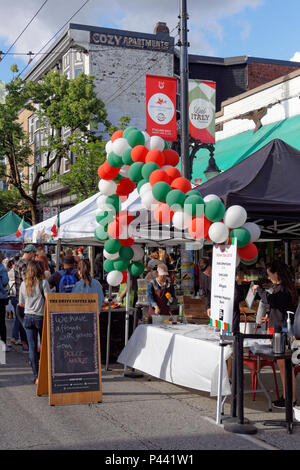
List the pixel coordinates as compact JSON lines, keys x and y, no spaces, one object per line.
{"x":212,"y":169}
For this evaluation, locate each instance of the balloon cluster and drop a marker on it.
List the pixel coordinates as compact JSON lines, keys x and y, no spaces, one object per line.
{"x":136,"y":160}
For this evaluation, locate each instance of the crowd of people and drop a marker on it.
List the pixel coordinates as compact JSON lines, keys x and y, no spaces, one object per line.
{"x":24,"y":282}
{"x":25,"y":279}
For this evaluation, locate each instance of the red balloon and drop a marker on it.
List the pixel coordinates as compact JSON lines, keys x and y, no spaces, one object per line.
{"x":124,"y":217}
{"x":138,"y":153}
{"x":114,"y":229}
{"x":199,"y":227}
{"x":125,"y":273}
{"x":248,"y":252}
{"x":125,"y":187}
{"x":157,"y":176}
{"x":127,"y":241}
{"x":163,"y":214}
{"x":107,"y":172}
{"x":171,"y":157}
{"x":173,"y":173}
{"x":116,"y":135}
{"x":181,"y":183}
{"x":155,"y":156}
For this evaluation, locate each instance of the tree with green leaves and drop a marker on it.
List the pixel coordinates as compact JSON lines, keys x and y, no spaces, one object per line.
{"x":60,"y":104}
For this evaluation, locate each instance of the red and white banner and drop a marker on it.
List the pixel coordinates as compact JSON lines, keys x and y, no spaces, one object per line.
{"x":161,"y":106}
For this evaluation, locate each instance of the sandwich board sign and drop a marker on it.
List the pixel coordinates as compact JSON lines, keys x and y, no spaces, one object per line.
{"x":70,"y":364}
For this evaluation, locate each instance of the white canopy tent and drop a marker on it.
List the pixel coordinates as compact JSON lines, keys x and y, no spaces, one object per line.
{"x":77,"y":226}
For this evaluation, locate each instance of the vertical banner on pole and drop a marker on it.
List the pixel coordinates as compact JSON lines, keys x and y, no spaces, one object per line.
{"x":222,"y":286}
{"x":161,"y":106}
{"x":202,"y":107}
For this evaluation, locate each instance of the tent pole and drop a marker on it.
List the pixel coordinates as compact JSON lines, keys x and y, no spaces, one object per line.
{"x":108,"y":328}
{"x":58,"y":249}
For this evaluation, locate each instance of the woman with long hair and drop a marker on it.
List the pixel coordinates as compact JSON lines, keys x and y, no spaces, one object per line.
{"x":87,"y":284}
{"x":283,"y":297}
{"x":32,"y":298}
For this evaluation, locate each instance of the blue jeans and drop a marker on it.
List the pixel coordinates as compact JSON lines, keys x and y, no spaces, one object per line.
{"x":33,"y":325}
{"x":17,"y":326}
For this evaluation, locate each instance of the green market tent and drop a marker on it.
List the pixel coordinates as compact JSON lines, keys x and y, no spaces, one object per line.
{"x":9,"y":224}
{"x":233,"y":150}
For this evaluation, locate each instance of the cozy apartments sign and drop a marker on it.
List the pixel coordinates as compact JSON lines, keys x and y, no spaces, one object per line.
{"x":154,"y":42}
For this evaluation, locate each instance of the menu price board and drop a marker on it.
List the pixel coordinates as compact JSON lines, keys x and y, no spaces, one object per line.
{"x":70,"y":365}
{"x":222,"y":286}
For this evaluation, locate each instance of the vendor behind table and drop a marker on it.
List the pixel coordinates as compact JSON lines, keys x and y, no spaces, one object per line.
{"x":160,"y":293}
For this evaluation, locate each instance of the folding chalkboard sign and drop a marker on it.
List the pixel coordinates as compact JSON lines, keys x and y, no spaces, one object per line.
{"x":70,"y":365}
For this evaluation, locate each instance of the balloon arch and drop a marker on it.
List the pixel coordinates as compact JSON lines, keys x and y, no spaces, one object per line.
{"x":136,"y":160}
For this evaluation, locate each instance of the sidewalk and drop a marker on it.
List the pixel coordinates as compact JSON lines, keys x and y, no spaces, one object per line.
{"x":136,"y":414}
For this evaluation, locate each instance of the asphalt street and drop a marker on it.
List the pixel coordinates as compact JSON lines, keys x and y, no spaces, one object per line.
{"x":136,"y":414}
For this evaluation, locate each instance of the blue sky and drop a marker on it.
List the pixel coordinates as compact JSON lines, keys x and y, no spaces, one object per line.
{"x":222,"y":28}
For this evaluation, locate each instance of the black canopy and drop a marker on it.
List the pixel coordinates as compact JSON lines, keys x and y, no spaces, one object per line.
{"x":266,"y":184}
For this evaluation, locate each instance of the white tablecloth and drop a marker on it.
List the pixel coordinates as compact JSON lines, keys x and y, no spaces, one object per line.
{"x":186,"y":355}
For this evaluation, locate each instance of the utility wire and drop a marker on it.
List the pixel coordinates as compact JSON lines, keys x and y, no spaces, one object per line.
{"x":54,"y":36}
{"x":7,"y":52}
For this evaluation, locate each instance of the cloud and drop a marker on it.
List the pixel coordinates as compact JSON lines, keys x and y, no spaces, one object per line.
{"x":296,"y":57}
{"x":204,"y":17}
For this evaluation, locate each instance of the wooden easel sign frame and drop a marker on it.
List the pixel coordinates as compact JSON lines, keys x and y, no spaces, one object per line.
{"x":70,"y":362}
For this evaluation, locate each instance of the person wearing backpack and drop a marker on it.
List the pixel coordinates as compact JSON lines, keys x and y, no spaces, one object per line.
{"x":32,"y":298}
{"x":3,"y":300}
{"x":65,"y":279}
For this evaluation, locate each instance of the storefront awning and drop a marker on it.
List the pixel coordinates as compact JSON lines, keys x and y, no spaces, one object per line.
{"x":233,"y":150}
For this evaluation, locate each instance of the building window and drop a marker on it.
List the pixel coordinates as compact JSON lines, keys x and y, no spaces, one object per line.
{"x":77,"y":71}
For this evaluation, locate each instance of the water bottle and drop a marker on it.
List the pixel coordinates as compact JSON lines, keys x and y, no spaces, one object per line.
{"x":289,"y":330}
{"x":180,"y":314}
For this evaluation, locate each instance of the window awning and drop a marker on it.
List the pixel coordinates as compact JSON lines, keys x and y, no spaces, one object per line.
{"x":230,"y":151}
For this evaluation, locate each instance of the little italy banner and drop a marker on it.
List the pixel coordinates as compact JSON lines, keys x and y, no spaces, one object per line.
{"x":202,"y":106}
{"x":161,"y":106}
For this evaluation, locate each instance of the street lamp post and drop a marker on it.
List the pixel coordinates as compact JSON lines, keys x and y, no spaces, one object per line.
{"x":184,"y":74}
{"x":212,"y":169}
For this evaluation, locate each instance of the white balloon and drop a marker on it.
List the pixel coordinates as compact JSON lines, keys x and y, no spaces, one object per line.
{"x":138,"y":253}
{"x":149,"y":201}
{"x":111,"y":256}
{"x":101,"y":203}
{"x":108,"y":147}
{"x":114,"y":278}
{"x":124,"y":171}
{"x":107,"y":187}
{"x":181,"y":220}
{"x":147,"y":139}
{"x":145,"y":188}
{"x":218,"y":232}
{"x":157,"y":143}
{"x":119,"y":146}
{"x":254,"y":231}
{"x":235,"y":216}
{"x":211,"y":197}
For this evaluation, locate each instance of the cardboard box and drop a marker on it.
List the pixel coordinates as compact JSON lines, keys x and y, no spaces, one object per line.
{"x":195,"y":310}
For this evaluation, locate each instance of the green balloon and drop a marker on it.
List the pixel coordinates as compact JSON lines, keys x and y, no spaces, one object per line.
{"x":127,"y":130}
{"x":214,"y":211}
{"x":135,"y":171}
{"x":101,"y":233}
{"x":193,"y":192}
{"x":242,"y":235}
{"x":112,"y":245}
{"x":140,"y":184}
{"x":166,"y":145}
{"x":160,"y":191}
{"x":120,"y":264}
{"x":104,"y":217}
{"x":194,"y":205}
{"x":126,"y":253}
{"x":126,"y":157}
{"x":114,"y":160}
{"x":108,"y":265}
{"x":248,"y":263}
{"x":136,"y":268}
{"x":148,"y":168}
{"x":114,"y":201}
{"x":175,"y":197}
{"x":135,"y":137}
